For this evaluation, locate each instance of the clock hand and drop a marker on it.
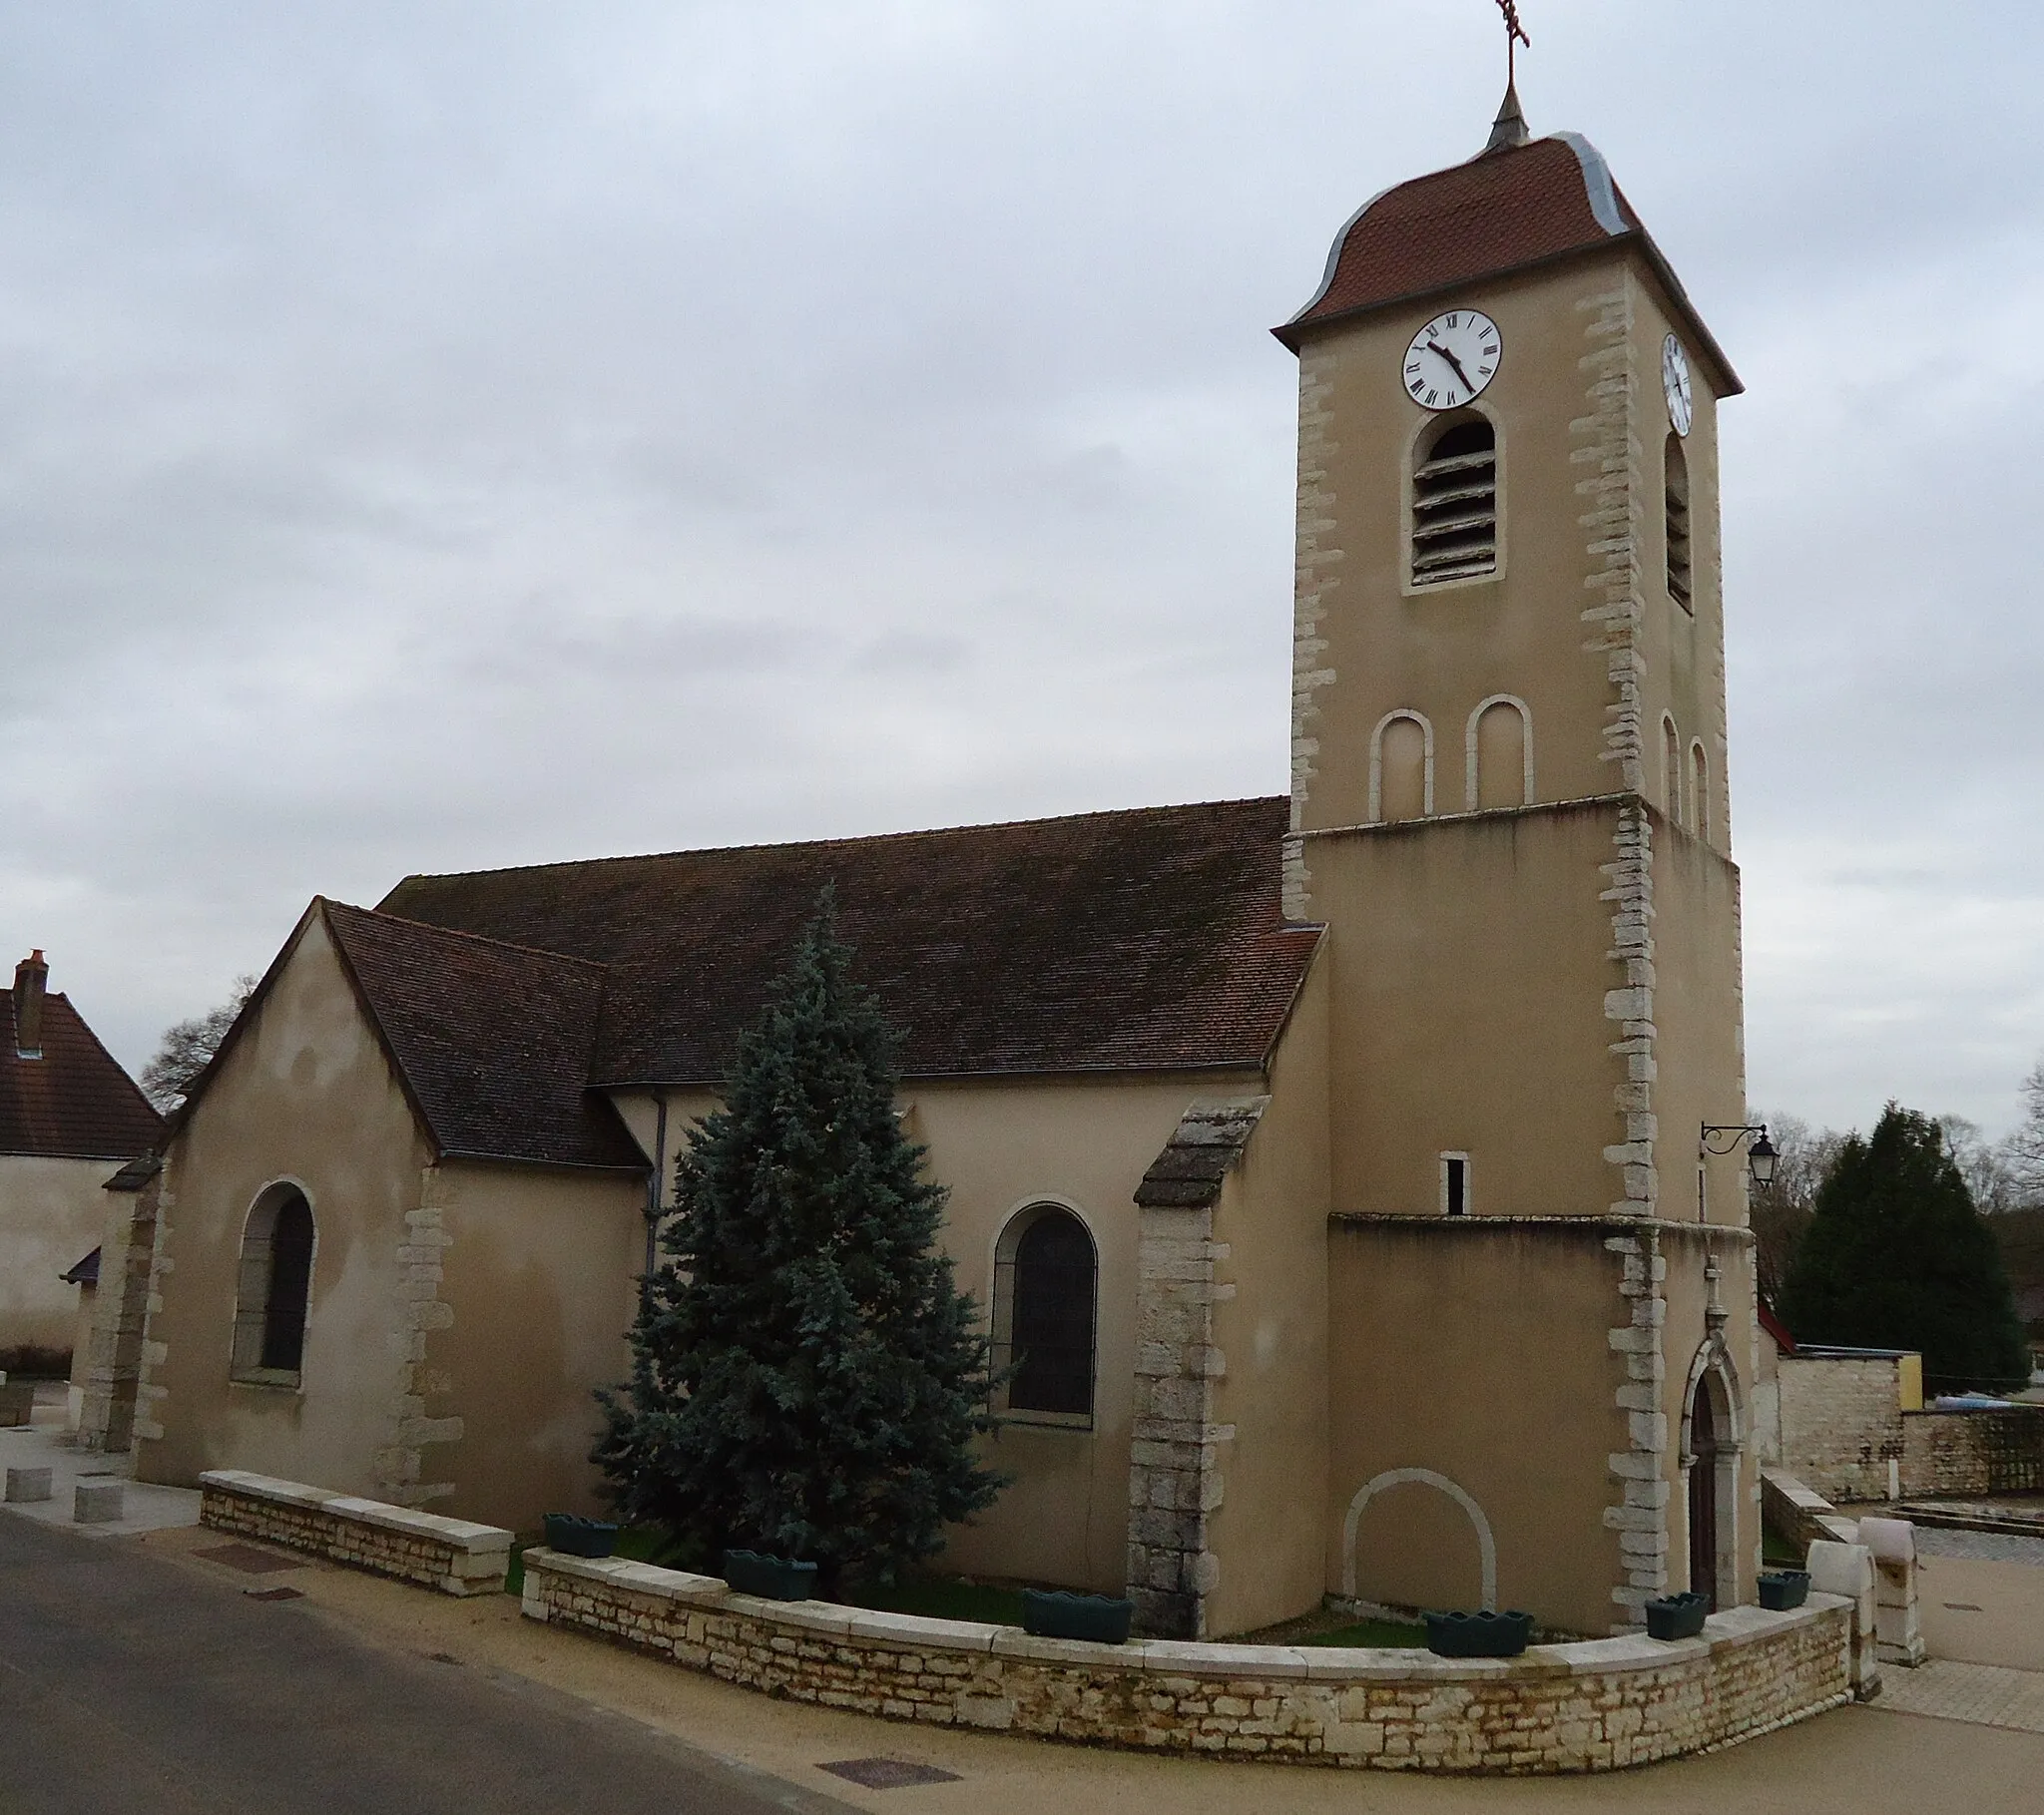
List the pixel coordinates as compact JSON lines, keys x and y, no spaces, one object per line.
{"x":1435,"y":346}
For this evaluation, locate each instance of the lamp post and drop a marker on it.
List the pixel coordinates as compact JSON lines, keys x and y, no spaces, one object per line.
{"x":1759,"y":1155}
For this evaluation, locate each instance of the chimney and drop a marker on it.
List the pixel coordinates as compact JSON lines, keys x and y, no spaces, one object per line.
{"x":31,"y":976}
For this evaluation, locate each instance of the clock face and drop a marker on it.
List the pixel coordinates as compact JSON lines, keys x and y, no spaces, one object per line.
{"x":1451,"y":359}
{"x":1674,"y":382}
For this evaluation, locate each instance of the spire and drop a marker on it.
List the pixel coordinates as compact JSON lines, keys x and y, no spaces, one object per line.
{"x":1508,"y":130}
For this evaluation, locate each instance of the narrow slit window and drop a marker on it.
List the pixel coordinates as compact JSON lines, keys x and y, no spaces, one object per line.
{"x":1455,"y":505}
{"x":1455,"y":1184}
{"x":1676,"y":489}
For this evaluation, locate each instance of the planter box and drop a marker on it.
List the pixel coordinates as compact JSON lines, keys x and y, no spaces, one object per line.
{"x":1054,"y":1613}
{"x":769,"y":1577}
{"x":1781,"y":1589}
{"x":1483,"y":1635}
{"x":1677,"y":1615}
{"x":579,"y":1537}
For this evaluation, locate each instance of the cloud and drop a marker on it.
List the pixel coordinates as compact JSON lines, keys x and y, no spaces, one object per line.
{"x":450,"y":434}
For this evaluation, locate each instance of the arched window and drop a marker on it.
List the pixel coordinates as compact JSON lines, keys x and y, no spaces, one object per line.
{"x":1046,"y":1287}
{"x":1499,"y":755}
{"x":1699,"y":790}
{"x":1454,"y":503}
{"x":1674,"y":489}
{"x":1671,"y":770}
{"x":275,"y":1288}
{"x":1401,"y":767}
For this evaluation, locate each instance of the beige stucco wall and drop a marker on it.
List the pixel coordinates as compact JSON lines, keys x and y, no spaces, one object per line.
{"x":50,"y":1217}
{"x":305,"y":1094}
{"x":539,"y":1280}
{"x":1699,"y":1063}
{"x":1469,"y":963}
{"x":1475,"y":1349}
{"x":1270,"y":1330}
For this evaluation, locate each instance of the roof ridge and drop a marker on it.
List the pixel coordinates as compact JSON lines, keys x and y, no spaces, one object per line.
{"x":449,"y":932}
{"x":811,"y":844}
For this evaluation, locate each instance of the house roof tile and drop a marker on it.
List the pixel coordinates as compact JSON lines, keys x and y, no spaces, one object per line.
{"x":492,"y":1042}
{"x":75,"y":1101}
{"x":1123,"y":941}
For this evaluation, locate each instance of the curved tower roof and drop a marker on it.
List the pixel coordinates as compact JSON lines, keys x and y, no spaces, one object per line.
{"x":1513,"y":207}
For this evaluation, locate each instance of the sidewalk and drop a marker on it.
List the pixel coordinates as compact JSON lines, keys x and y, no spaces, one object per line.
{"x":46,"y":1444}
{"x":1854,"y":1761}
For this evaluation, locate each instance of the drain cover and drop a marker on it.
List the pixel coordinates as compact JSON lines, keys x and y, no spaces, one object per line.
{"x":249,"y":1560}
{"x":273,"y":1593}
{"x":887,"y":1773}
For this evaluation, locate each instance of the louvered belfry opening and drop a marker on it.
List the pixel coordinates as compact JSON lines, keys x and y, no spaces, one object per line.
{"x":1455,"y":505}
{"x":1676,"y":489}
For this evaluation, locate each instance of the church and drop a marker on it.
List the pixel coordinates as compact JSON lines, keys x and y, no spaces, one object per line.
{"x":1328,"y":1166}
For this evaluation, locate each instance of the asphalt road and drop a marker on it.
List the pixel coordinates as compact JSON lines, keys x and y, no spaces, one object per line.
{"x":129,"y":1683}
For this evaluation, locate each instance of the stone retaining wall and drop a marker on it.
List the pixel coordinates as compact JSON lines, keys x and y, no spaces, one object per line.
{"x":446,"y":1554}
{"x":1982,"y":1451}
{"x":1593,"y":1707}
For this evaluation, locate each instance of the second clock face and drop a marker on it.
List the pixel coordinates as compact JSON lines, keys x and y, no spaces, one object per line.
{"x":1452,"y":359}
{"x":1674,"y":384}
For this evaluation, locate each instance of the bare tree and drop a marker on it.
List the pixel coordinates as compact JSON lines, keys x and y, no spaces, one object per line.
{"x":187,"y":1047}
{"x":1984,"y":1164}
{"x":2022,"y":1152}
{"x":1783,"y":1209}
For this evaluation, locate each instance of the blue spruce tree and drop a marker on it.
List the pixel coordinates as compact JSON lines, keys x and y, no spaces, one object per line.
{"x":807,"y":1378}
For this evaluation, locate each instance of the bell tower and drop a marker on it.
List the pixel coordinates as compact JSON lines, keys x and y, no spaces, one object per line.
{"x":1509,"y":785}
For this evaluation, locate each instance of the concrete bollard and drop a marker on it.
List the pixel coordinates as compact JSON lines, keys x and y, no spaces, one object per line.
{"x":28,"y":1483}
{"x":1847,"y":1569}
{"x":97,"y":1501}
{"x":1893,"y":1545}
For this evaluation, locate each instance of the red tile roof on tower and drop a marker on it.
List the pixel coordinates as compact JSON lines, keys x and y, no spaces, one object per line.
{"x":1504,"y":210}
{"x":75,"y":1101}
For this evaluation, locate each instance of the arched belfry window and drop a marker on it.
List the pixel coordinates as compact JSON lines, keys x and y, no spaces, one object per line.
{"x":275,"y":1288}
{"x":1454,"y":503}
{"x":1046,"y":1294}
{"x":1675,"y":491}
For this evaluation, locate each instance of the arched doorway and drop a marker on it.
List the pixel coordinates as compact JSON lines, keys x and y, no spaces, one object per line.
{"x":1703,"y":1493}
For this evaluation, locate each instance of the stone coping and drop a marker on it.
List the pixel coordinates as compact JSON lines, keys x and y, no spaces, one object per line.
{"x":459,"y":1535}
{"x":1727,"y":1631}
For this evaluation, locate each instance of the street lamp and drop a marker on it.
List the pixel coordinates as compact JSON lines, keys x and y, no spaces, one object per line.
{"x":1761,"y":1155}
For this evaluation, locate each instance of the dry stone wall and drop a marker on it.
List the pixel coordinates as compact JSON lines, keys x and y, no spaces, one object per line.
{"x":451,"y":1555}
{"x":1598,"y":1705}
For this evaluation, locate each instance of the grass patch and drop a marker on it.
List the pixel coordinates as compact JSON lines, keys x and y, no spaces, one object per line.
{"x":1393,"y":1635}
{"x":941,"y":1597}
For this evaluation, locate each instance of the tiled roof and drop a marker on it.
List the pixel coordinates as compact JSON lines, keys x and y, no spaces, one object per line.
{"x":493,"y":1043}
{"x":1498,"y":212}
{"x":1125,"y":941}
{"x":75,"y":1101}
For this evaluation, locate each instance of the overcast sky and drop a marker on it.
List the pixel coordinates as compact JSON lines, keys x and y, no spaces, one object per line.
{"x":438,"y":435}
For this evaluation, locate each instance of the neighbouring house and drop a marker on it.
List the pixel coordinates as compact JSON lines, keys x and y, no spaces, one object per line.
{"x":1329,"y":1164}
{"x":68,"y":1115}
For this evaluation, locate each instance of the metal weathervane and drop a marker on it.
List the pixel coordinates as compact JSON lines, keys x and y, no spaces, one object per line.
{"x":1515,"y":35}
